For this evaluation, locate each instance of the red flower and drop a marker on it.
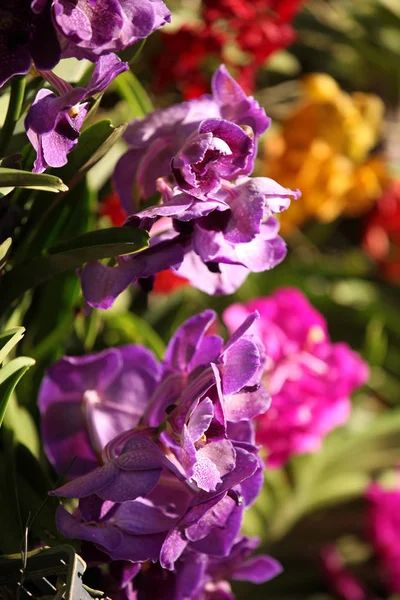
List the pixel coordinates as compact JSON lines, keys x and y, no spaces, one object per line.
{"x":183,"y":58}
{"x":257,"y":27}
{"x":112,"y":208}
{"x":382,"y":233}
{"x":167,"y":282}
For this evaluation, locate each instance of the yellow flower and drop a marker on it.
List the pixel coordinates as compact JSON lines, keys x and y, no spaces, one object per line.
{"x":323,"y":150}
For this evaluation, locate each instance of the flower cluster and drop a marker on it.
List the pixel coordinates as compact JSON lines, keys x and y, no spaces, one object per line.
{"x":382,"y":233}
{"x":310,"y":379}
{"x":44,"y":31}
{"x":53,"y":122}
{"x":256,"y":29}
{"x":164,"y":458}
{"x":214,"y":224}
{"x":324,"y":148}
{"x":384,"y":526}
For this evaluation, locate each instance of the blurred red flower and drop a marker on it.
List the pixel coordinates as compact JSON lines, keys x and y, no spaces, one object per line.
{"x":257,"y":28}
{"x":167,"y":282}
{"x":184,"y":56}
{"x":112,"y":209}
{"x":382,"y":233}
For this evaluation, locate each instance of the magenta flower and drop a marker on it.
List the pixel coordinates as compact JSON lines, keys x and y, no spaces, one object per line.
{"x":310,"y":378}
{"x":384,"y":529}
{"x":53,"y":122}
{"x":43,"y":31}
{"x":341,"y":580}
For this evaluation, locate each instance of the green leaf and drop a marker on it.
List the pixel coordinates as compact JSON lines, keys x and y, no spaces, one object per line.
{"x":131,"y":328}
{"x":95,"y":245}
{"x":93,"y":144}
{"x":10,"y":374}
{"x":32,"y":181}
{"x":4,"y":250}
{"x":19,"y":421}
{"x":132,"y":53}
{"x":131,"y":90}
{"x":114,"y":241}
{"x":8,"y":339}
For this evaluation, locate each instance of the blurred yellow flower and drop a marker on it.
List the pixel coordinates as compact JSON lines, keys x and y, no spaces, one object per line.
{"x":323,"y":150}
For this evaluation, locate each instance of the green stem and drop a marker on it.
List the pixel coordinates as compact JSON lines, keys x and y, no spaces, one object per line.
{"x":13,"y":111}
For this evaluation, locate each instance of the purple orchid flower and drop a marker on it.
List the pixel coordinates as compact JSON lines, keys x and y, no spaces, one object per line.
{"x":196,"y":576}
{"x":53,"y":122}
{"x":190,"y":465}
{"x":26,"y":36}
{"x":139,"y":507}
{"x":43,"y":31}
{"x":218,"y":221}
{"x":219,"y":149}
{"x":198,"y":137}
{"x":219,"y":241}
{"x":92,"y":29}
{"x":87,"y":401}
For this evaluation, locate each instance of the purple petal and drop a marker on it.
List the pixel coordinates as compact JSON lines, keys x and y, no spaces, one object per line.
{"x":258,"y":570}
{"x":124,"y":178}
{"x":208,"y":351}
{"x":45,"y":110}
{"x":140,"y":453}
{"x":140,"y":517}
{"x":247,"y":213}
{"x":242,"y":329}
{"x":246,"y":465}
{"x":101,"y":285}
{"x":264,"y":252}
{"x":226,"y":281}
{"x":235,"y":105}
{"x":138,"y":548}
{"x":241,"y":362}
{"x":221,"y":539}
{"x":107,"y":69}
{"x":172,"y":548}
{"x":107,"y":537}
{"x":129,"y":485}
{"x":247,"y":405}
{"x":213,"y":461}
{"x":187,"y":454}
{"x":88,"y":484}
{"x":216,"y":516}
{"x":184,"y":344}
{"x":200,"y":419}
{"x":76,"y":374}
{"x":66,"y":440}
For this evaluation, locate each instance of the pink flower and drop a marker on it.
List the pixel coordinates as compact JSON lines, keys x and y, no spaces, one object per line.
{"x":310,"y":378}
{"x":384,"y":527}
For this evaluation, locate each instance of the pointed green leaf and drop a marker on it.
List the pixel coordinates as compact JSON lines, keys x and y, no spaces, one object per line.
{"x":95,"y":245}
{"x":8,"y":339}
{"x":32,"y":181}
{"x":4,"y":250}
{"x":10,"y":374}
{"x":131,"y":90}
{"x":93,"y":144}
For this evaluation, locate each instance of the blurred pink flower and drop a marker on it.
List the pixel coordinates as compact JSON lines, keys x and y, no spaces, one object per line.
{"x":341,"y":580}
{"x":384,"y":529}
{"x":310,"y":378}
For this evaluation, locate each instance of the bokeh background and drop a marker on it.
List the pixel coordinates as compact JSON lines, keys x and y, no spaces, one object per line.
{"x":328,"y":74}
